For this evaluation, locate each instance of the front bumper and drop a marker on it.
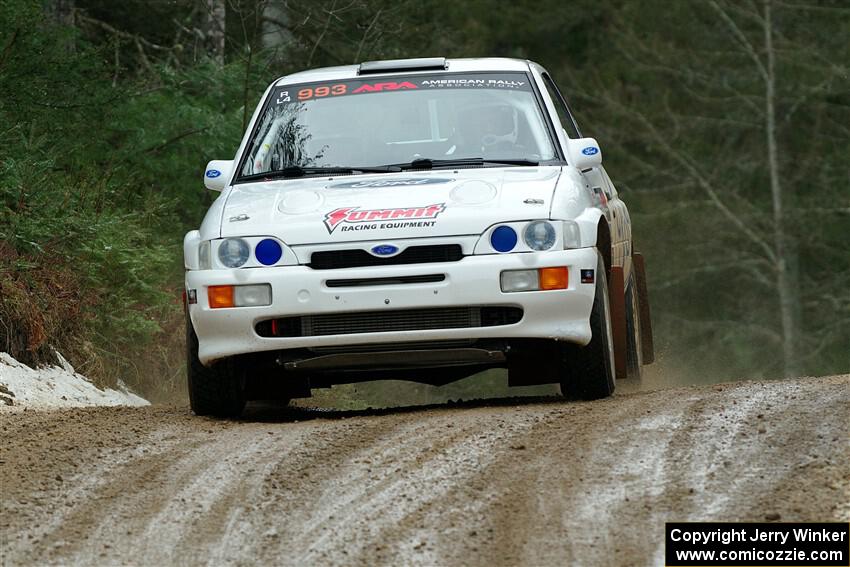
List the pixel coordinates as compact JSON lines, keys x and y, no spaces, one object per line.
{"x":473,"y":281}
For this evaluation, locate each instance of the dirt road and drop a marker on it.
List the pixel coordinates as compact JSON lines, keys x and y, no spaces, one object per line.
{"x":540,"y":482}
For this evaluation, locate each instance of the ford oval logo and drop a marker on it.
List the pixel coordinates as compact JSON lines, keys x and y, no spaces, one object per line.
{"x":384,"y":250}
{"x":213,"y":173}
{"x":590,"y":151}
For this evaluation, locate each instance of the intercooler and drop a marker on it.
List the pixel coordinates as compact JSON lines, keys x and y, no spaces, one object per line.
{"x":389,"y":321}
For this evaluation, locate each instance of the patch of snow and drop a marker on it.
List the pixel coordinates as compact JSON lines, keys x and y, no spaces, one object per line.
{"x":56,"y":386}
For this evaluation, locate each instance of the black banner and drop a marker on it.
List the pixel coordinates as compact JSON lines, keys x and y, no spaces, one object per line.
{"x":757,"y":544}
{"x":293,"y":93}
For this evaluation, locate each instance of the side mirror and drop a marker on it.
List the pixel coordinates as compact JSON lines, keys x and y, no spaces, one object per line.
{"x":584,"y":153}
{"x":217,"y":174}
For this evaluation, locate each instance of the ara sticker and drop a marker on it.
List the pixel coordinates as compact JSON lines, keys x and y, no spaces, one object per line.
{"x":413,"y":181}
{"x":213,"y":173}
{"x":387,"y":86}
{"x":587,"y":276}
{"x":364,"y":219}
{"x":590,"y":151}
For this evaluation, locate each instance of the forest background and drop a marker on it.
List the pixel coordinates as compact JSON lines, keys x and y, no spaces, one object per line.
{"x":725,"y":125}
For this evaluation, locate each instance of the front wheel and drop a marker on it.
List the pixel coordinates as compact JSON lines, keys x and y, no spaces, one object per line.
{"x":590,"y":369}
{"x":217,"y":390}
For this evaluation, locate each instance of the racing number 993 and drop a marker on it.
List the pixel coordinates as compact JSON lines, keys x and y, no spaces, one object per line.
{"x":318,"y":92}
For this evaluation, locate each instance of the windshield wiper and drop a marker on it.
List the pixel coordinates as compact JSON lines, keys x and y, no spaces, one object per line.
{"x":428,"y":163}
{"x":300,"y":171}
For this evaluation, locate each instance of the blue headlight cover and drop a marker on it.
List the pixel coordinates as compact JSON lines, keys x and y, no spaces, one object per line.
{"x":503,"y":239}
{"x":268,"y":252}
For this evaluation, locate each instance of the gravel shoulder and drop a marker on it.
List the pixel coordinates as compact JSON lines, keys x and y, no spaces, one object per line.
{"x":536,"y":481}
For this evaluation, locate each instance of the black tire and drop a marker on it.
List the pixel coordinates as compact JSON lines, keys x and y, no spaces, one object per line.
{"x":634,"y":350}
{"x":590,"y":369}
{"x":217,"y":390}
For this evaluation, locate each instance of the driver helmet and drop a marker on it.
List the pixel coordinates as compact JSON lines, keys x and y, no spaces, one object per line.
{"x":489,"y":124}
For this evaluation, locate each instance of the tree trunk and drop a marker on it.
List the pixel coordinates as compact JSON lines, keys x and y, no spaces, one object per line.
{"x":275,"y":26}
{"x":60,"y":11}
{"x":785,"y":276}
{"x":214,"y":24}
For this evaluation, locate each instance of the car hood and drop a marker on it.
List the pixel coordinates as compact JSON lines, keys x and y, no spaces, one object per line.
{"x":388,"y":205}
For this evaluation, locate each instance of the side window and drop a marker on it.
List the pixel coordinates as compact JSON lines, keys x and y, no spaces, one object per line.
{"x":610,"y":189}
{"x":567,"y":121}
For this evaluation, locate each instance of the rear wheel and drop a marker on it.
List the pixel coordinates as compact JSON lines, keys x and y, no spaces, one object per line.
{"x":217,"y":390}
{"x":634,"y":350}
{"x":589,"y":370}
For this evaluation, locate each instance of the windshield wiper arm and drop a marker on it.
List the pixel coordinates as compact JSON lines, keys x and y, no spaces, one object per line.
{"x":428,"y":163}
{"x":301,"y":171}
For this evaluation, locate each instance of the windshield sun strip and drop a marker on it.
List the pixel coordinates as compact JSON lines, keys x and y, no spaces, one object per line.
{"x":273,"y":91}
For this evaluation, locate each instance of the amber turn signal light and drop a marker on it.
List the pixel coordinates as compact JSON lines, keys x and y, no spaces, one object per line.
{"x":554,"y":278}
{"x":220,"y":296}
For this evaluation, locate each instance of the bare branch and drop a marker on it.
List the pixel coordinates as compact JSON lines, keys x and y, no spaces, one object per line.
{"x":751,"y":267}
{"x":814,"y":8}
{"x":742,"y":39}
{"x":8,"y":47}
{"x":177,"y":138}
{"x":322,"y":34}
{"x":142,"y":56}
{"x":81,"y":17}
{"x":702,"y":181}
{"x":366,"y":34}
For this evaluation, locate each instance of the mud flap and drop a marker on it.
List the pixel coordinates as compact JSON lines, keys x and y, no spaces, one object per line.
{"x":617,"y":299}
{"x":647,"y":344}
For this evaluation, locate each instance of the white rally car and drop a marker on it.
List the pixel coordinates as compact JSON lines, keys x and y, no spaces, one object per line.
{"x":419,"y":219}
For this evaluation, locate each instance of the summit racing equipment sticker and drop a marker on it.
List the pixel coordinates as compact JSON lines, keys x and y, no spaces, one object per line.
{"x":355,"y":218}
{"x":390,"y":182}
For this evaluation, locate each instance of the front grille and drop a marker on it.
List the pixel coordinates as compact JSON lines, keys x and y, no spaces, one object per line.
{"x":356,"y":258}
{"x":389,"y":321}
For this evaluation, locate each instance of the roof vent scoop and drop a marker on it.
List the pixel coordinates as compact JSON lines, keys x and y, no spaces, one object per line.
{"x":393,"y":65}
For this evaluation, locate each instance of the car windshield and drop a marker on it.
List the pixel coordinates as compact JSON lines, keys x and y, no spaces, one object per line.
{"x":372,"y":122}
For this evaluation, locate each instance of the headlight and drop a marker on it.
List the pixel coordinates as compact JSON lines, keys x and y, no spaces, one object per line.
{"x":572,"y":235}
{"x":540,"y":235}
{"x":204,"y":255}
{"x":233,"y":252}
